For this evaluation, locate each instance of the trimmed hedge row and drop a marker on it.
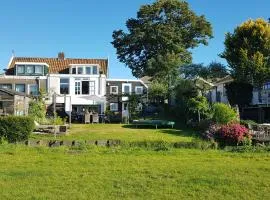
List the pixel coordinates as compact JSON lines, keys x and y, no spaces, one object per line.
{"x":16,"y":128}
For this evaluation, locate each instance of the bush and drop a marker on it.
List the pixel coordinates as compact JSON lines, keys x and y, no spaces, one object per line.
{"x":204,"y":125}
{"x":232,"y":135}
{"x":209,"y":134}
{"x":16,"y":128}
{"x":248,"y":123}
{"x":224,"y":114}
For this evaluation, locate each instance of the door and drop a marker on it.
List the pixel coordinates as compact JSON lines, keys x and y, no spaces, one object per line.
{"x":125,"y":112}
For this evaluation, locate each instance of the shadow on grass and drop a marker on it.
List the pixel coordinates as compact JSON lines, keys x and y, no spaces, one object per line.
{"x":179,"y":130}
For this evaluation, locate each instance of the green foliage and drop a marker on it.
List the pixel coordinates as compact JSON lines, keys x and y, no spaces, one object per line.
{"x":224,"y":114}
{"x":158,"y":92}
{"x":211,"y":72}
{"x":247,"y":52}
{"x":239,"y":93}
{"x":159,"y":40}
{"x":16,"y":128}
{"x":248,"y":123}
{"x":200,"y":106}
{"x":37,"y":109}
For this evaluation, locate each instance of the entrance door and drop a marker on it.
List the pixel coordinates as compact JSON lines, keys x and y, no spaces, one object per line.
{"x":125,"y":112}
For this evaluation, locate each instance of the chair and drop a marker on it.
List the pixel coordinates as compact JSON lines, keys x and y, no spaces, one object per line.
{"x":95,"y":118}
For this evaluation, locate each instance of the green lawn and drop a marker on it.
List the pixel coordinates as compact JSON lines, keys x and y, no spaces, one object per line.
{"x":122,"y":132}
{"x":106,"y":173}
{"x":91,"y":172}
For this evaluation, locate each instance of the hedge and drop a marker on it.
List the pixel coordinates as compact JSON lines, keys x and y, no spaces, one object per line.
{"x":16,"y":128}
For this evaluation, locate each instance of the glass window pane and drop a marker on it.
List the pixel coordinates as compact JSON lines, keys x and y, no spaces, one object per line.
{"x":20,"y":69}
{"x":77,"y":88}
{"x":88,"y":70}
{"x":80,"y":70}
{"x":6,"y":86}
{"x":33,"y":90}
{"x":74,"y":70}
{"x":64,"y":86}
{"x":139,"y":90}
{"x":114,"y":106}
{"x":29,"y":69}
{"x":92,"y":88}
{"x":38,"y":69}
{"x":126,"y":89}
{"x":95,"y":71}
{"x":20,"y":87}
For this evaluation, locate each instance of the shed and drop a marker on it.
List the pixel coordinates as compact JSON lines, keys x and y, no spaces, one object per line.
{"x":13,"y":103}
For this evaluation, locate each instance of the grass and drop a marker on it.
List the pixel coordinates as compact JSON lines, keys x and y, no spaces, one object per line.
{"x":90,"y":172}
{"x":121,"y":132}
{"x":107,"y":173}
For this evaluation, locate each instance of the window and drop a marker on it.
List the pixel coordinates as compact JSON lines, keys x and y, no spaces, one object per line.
{"x":95,"y":71}
{"x":20,"y":69}
{"x":85,"y":87}
{"x":33,"y":90}
{"x":114,"y":89}
{"x":38,"y":69}
{"x":73,"y":70}
{"x":126,"y":88}
{"x":80,"y":70}
{"x":113,"y":106}
{"x":20,"y":87}
{"x":6,"y":86}
{"x":87,"y":70}
{"x":92,"y":88}
{"x":138,"y":90}
{"x":64,"y":86}
{"x":77,"y":88}
{"x":29,"y":69}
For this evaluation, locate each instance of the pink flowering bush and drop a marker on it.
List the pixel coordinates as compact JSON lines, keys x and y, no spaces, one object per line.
{"x":232,"y":134}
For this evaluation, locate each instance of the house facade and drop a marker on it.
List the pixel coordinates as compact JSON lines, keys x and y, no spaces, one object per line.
{"x":72,"y":84}
{"x":118,"y":92}
{"x":219,"y":94}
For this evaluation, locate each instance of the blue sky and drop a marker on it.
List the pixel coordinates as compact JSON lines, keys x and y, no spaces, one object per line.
{"x":83,"y":28}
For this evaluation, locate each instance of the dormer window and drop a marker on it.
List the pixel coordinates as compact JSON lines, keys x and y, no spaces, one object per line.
{"x":30,"y":69}
{"x":20,"y":69}
{"x":95,"y":71}
{"x":85,"y":69}
{"x":80,"y":70}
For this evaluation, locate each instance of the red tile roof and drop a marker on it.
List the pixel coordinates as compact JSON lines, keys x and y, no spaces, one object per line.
{"x":57,"y":65}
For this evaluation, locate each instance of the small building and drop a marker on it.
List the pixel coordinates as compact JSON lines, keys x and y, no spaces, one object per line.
{"x":13,"y":103}
{"x":118,"y":92}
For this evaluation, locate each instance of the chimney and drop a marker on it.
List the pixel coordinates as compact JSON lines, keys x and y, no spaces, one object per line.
{"x":61,"y":56}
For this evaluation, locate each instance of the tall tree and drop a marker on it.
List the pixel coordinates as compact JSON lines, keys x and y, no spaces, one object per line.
{"x":159,"y":40}
{"x":211,"y":72}
{"x":247,"y":52}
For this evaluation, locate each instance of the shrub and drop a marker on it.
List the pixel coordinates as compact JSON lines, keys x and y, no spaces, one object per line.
{"x":209,"y":134}
{"x":231,"y":135}
{"x":248,"y":123}
{"x":37,"y":110}
{"x":224,"y":114}
{"x":16,"y":128}
{"x":204,"y":125}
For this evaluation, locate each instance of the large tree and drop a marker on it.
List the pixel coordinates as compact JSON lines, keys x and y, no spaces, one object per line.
{"x":159,"y":40}
{"x":210,"y":72}
{"x":247,"y":51}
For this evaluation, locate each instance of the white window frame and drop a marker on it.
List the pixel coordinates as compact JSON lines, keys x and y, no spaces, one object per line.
{"x":123,"y":87}
{"x":79,"y":86}
{"x":113,"y":86}
{"x":113,"y":108}
{"x":137,"y":87}
{"x":92,"y":87}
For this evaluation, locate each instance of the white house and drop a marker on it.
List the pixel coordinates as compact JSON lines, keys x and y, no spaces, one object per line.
{"x":73,"y":84}
{"x":219,"y":94}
